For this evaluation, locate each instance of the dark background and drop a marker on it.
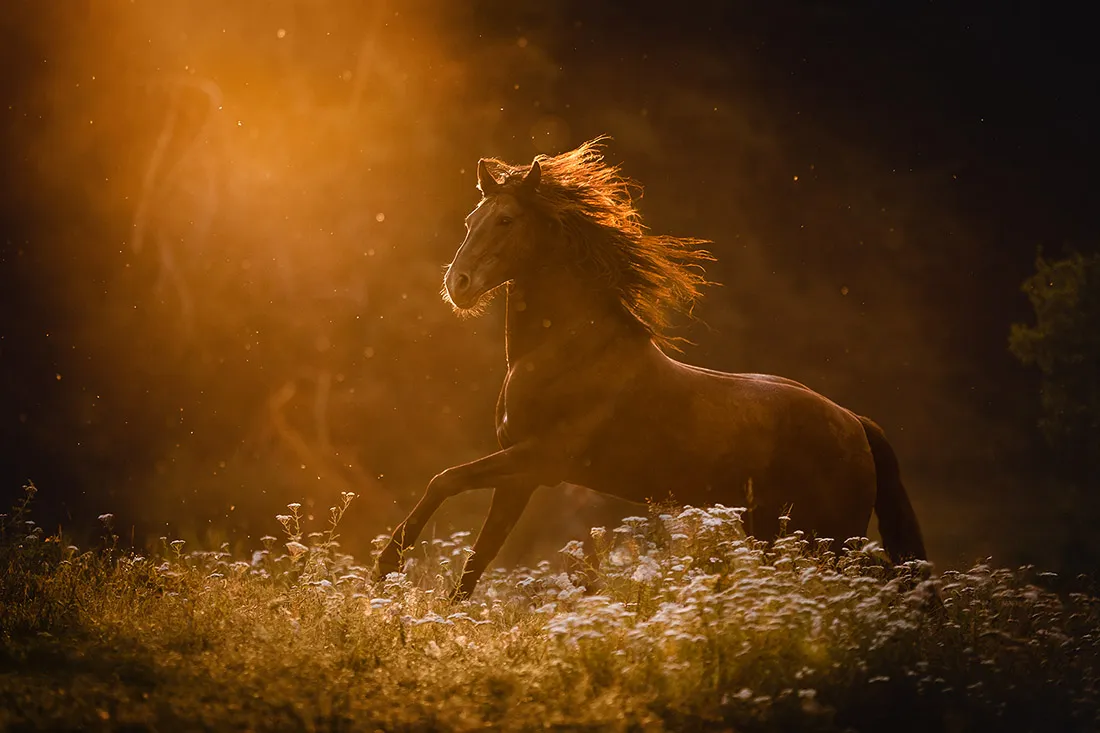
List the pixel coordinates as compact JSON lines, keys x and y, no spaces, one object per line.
{"x":222,"y":233}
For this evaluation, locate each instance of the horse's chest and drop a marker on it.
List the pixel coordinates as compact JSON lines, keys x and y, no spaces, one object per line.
{"x":530,"y":403}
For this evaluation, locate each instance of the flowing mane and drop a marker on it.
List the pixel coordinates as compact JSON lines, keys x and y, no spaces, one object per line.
{"x":593,"y":204}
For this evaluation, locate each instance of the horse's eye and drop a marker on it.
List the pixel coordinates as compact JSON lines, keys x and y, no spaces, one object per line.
{"x":504,"y":221}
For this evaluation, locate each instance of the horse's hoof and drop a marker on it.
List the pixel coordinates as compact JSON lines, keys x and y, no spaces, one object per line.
{"x":381,"y":572}
{"x":384,"y":567}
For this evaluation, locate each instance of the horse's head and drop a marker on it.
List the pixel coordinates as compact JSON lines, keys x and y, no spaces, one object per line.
{"x":500,"y":234}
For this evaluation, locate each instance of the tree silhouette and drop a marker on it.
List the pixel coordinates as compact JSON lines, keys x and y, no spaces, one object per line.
{"x":1064,"y":344}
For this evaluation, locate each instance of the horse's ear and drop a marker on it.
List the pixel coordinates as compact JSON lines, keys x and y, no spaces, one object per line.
{"x":531,"y":180}
{"x":485,"y":180}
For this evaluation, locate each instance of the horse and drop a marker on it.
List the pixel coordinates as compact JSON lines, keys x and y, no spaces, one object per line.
{"x":592,"y":397}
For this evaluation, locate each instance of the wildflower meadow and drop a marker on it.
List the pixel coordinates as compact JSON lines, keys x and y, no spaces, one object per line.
{"x":673,"y":620}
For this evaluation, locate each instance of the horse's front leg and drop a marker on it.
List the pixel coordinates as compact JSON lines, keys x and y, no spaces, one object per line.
{"x":502,"y":467}
{"x":508,"y":504}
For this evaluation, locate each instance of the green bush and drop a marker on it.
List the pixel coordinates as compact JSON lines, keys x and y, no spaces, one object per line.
{"x":1064,"y":343}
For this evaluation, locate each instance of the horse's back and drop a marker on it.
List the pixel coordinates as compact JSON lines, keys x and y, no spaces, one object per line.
{"x":762,"y":398}
{"x":767,"y":378}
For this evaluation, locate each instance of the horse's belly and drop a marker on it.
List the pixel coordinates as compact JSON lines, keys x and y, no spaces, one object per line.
{"x":638,"y":461}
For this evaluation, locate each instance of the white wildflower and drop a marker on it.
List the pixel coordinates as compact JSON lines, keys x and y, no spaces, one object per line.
{"x":647,"y":571}
{"x":573,"y":548}
{"x":432,"y":618}
{"x":620,"y":556}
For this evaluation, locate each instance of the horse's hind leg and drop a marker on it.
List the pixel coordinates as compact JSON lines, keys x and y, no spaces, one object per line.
{"x":492,"y":470}
{"x":508,"y":504}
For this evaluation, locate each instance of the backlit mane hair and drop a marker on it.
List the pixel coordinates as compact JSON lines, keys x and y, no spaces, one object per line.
{"x":593,"y":204}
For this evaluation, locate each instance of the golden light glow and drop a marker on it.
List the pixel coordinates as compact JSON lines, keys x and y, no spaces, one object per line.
{"x":242,"y":213}
{"x":269,"y":195}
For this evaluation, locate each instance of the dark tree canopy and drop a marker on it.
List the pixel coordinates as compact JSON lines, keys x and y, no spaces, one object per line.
{"x":1064,"y":343}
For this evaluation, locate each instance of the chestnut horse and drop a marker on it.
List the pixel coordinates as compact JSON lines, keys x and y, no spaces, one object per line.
{"x":591,"y":398}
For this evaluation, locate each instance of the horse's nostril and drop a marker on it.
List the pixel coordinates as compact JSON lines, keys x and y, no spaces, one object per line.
{"x":462,"y":281}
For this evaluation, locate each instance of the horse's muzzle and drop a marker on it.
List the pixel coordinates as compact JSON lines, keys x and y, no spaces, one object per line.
{"x":460,"y":288}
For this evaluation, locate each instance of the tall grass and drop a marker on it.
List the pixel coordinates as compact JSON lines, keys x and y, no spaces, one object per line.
{"x":691,"y":625}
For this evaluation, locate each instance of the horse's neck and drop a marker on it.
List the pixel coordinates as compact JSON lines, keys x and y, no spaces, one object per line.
{"x":557,"y":314}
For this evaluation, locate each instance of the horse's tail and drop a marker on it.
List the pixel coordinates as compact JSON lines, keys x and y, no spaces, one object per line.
{"x":897,"y":522}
